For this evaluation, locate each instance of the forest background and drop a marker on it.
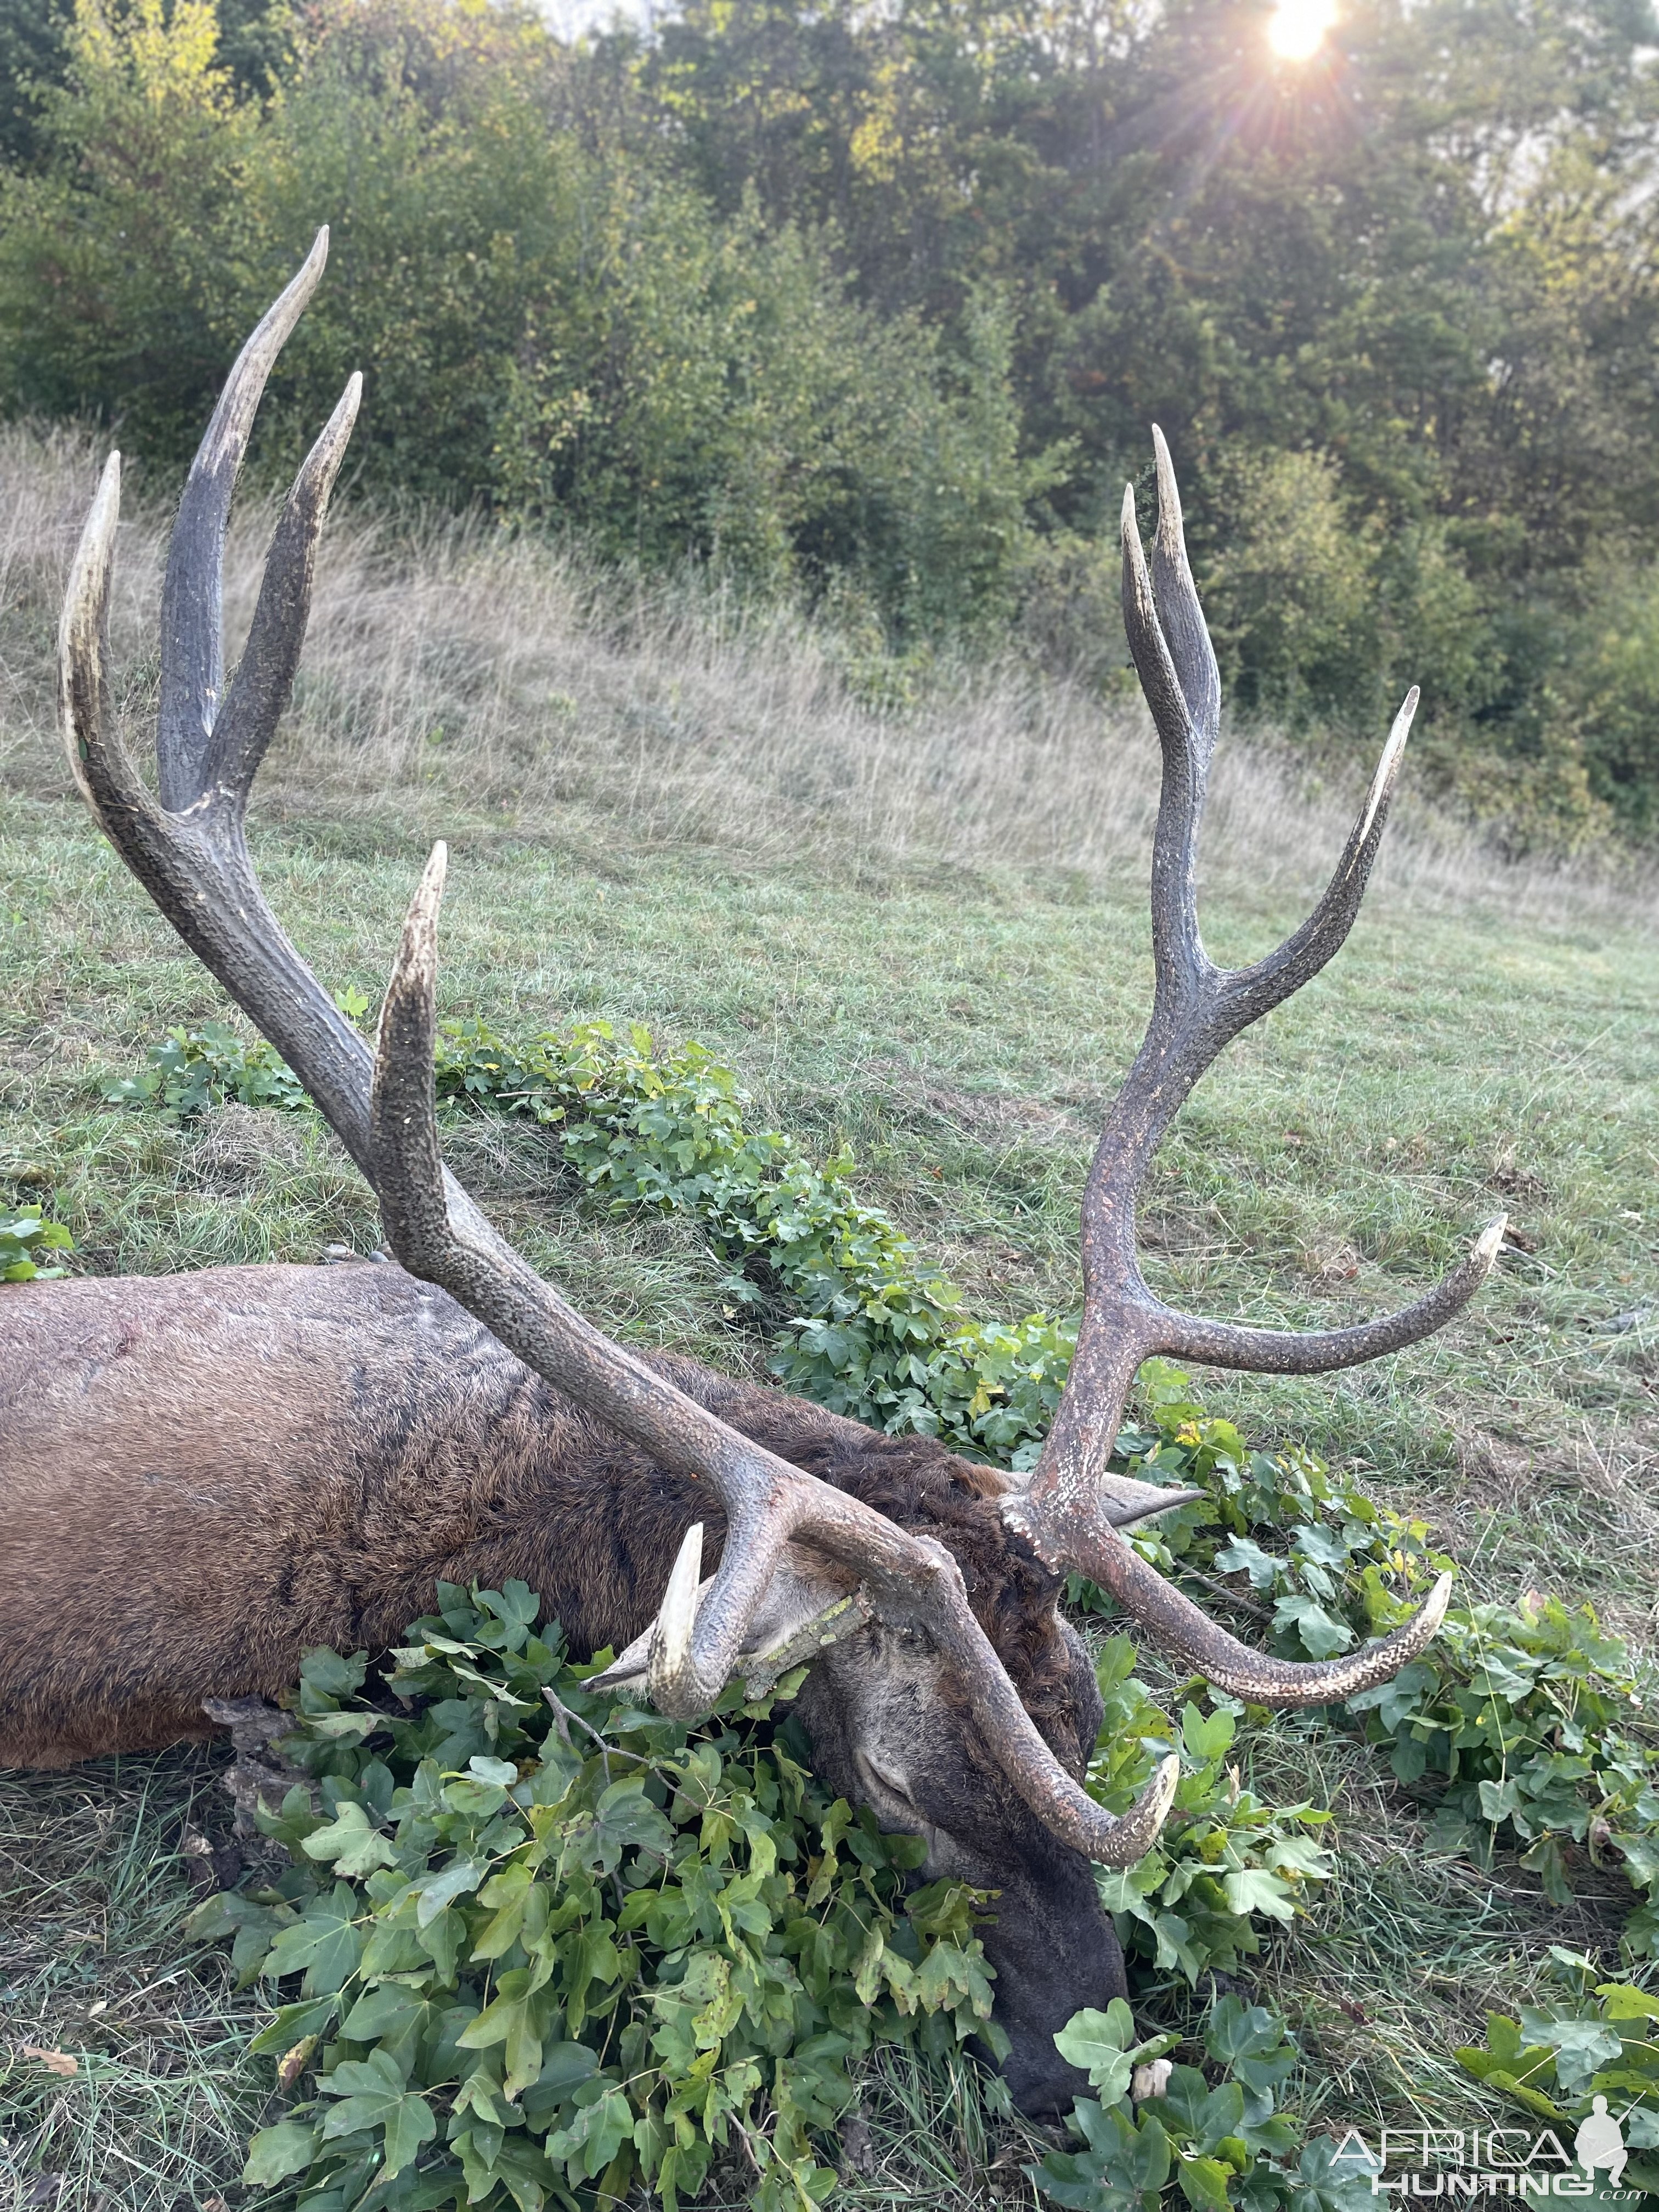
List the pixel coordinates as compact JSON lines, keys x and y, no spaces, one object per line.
{"x":872,"y":307}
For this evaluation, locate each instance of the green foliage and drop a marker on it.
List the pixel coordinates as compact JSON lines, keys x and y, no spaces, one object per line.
{"x":1225,"y":1860}
{"x":1603,"y":699}
{"x":1534,"y":1716}
{"x":547,"y":320}
{"x":1527,"y":1719}
{"x":1216,"y":2133}
{"x":24,"y":1239}
{"x":1556,"y":2058}
{"x":194,"y":1068}
{"x":544,"y":1941}
{"x":535,"y":1944}
{"x":871,"y":1332}
{"x":115,"y":253}
{"x":876,"y":305}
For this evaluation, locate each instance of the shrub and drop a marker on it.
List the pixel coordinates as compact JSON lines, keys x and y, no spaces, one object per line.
{"x":549,"y":322}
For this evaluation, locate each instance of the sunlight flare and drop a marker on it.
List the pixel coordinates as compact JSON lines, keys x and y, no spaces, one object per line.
{"x":1297,"y":28}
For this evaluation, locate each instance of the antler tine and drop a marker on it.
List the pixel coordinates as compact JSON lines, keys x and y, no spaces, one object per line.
{"x":193,"y":665}
{"x":264,"y":681}
{"x":1319,"y":1352}
{"x":696,"y":1644}
{"x":1253,"y":991}
{"x":1197,"y":1009}
{"x":452,"y":1245}
{"x":1180,"y":616}
{"x":1184,"y":1629}
{"x":99,"y":762}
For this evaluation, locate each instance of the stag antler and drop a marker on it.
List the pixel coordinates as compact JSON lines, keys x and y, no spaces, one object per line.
{"x":1197,"y":1009}
{"x":190,"y":852}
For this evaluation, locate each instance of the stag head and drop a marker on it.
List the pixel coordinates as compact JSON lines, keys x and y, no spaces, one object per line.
{"x":911,"y":1707}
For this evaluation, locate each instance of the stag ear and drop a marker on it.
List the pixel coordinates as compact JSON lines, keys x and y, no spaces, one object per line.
{"x":806,"y":1606}
{"x":1126,"y":1502}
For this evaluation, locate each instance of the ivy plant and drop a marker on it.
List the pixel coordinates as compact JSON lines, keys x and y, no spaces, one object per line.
{"x":1556,"y":2060}
{"x":533,"y":1945}
{"x":1225,"y":1860}
{"x":25,"y":1239}
{"x":1215,"y":2133}
{"x":1527,"y":1722}
{"x":545,"y":1943}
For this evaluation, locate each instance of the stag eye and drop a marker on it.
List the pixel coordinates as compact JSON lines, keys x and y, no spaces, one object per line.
{"x":882,"y":1781}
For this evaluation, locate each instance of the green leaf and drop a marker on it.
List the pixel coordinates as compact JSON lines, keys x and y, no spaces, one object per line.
{"x":1253,"y":1889}
{"x":1237,"y":2030}
{"x":437,"y":1890}
{"x":410,"y":2124}
{"x":275,"y":2153}
{"x":1206,"y":1738}
{"x":1241,"y":1556}
{"x":1322,"y":1634}
{"x":292,"y":2024}
{"x":1097,"y":2044}
{"x":1622,"y":2001}
{"x":350,"y":1843}
{"x":1204,"y":2183}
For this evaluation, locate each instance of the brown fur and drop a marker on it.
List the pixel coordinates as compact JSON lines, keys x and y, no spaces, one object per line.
{"x":202,"y":1475}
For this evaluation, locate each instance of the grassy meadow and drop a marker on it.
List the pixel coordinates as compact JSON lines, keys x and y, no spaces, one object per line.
{"x":918,"y":930}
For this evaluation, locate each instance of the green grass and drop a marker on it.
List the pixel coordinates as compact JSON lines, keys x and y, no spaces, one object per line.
{"x":960,"y":1027}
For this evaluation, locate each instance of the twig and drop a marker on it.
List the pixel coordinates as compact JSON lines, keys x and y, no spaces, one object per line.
{"x":1220,"y":1590}
{"x":562,"y":1717}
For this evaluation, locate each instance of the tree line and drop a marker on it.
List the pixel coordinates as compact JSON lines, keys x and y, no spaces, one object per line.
{"x":874,"y":305}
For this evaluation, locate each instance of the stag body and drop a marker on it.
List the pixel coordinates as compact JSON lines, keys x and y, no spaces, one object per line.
{"x":378,"y":1441}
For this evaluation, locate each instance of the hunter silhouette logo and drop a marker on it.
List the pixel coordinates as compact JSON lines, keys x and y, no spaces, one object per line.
{"x":1600,"y":2142}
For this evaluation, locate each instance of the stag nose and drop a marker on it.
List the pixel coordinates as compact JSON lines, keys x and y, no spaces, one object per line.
{"x":1055,"y":1953}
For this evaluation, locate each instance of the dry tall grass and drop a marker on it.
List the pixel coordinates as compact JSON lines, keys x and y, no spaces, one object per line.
{"x":450,"y":666}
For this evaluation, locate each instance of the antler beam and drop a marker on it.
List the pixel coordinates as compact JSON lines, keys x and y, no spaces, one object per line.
{"x":1197,"y":1009}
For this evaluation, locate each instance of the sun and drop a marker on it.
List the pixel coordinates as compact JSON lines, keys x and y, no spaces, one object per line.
{"x":1297,"y":28}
